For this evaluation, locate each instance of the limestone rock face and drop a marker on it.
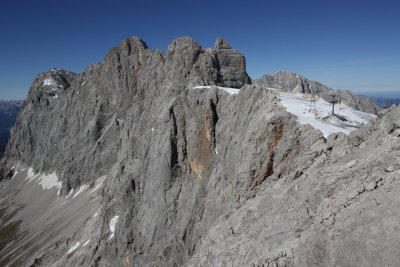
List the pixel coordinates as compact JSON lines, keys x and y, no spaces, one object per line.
{"x":153,"y":172}
{"x":90,"y":107}
{"x":338,"y":211}
{"x":289,"y":81}
{"x":221,"y":44}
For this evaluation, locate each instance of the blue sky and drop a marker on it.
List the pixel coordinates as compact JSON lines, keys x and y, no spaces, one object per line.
{"x":344,"y":44}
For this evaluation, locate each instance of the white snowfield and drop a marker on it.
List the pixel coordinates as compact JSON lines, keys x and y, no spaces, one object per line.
{"x":232,"y":91}
{"x":321,"y":117}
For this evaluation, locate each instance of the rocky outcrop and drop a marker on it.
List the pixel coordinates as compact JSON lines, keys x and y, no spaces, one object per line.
{"x":179,"y":176}
{"x":288,"y":81}
{"x":339,"y":211}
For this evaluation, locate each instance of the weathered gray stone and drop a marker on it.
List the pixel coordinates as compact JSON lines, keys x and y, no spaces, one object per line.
{"x":198,"y":177}
{"x":221,"y":44}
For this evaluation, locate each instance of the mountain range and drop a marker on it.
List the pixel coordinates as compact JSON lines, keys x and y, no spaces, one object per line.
{"x":180,"y":159}
{"x":386,"y":102}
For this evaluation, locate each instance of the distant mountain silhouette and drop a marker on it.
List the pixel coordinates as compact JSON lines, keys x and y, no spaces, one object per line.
{"x":8,"y":113}
{"x":386,"y":102}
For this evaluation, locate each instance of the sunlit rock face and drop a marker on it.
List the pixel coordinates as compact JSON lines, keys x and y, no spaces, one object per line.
{"x":153,"y":159}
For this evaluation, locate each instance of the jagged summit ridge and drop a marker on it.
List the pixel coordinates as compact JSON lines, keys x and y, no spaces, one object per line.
{"x":131,"y":73}
{"x":221,"y":44}
{"x":185,"y":64}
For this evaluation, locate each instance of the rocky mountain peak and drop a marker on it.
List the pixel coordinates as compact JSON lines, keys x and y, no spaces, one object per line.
{"x":221,"y":44}
{"x":132,"y":45}
{"x":223,"y":67}
{"x":183,"y":43}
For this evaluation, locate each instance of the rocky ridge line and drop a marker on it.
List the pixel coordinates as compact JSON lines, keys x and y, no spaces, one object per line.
{"x":288,"y":81}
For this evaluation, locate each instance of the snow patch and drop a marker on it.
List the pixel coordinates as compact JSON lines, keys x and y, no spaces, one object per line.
{"x":70,"y":193}
{"x":86,"y":243}
{"x":72,"y":249}
{"x":15,"y":174}
{"x":99,"y":183}
{"x":81,"y":189}
{"x":345,"y":121}
{"x":49,"y":82}
{"x":49,"y":181}
{"x":232,"y":91}
{"x":30,"y":175}
{"x":216,"y":151}
{"x":113,"y":223}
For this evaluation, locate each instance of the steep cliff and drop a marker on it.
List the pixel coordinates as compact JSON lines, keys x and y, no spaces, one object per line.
{"x":133,"y":163}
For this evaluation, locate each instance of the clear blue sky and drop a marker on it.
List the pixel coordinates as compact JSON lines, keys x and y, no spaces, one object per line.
{"x":344,"y":44}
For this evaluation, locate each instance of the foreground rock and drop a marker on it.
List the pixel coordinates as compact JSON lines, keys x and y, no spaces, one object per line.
{"x":341,"y":211}
{"x":191,"y":177}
